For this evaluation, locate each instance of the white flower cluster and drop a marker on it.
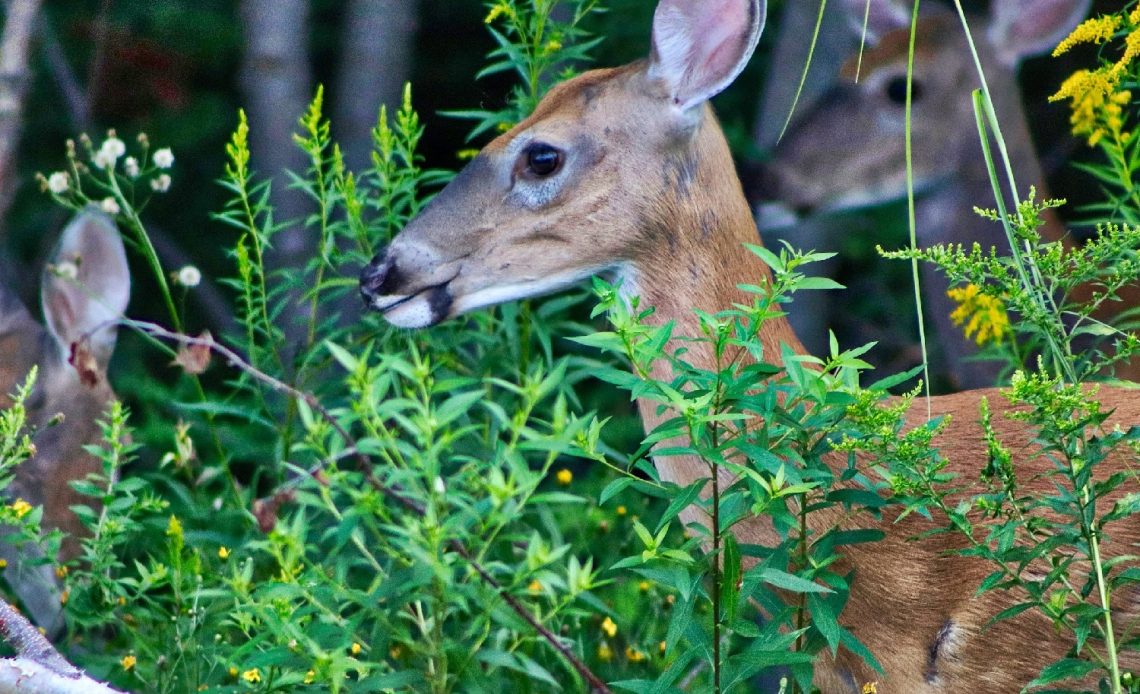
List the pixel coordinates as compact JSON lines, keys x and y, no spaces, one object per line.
{"x":106,"y":158}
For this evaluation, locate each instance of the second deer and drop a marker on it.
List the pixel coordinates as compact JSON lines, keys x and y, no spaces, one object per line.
{"x":86,"y":286}
{"x":846,"y":149}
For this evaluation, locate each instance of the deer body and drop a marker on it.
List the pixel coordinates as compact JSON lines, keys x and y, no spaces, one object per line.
{"x":626,"y":171}
{"x":75,"y":308}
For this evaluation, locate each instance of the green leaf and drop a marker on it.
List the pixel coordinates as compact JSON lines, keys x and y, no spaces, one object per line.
{"x":1069,"y":668}
{"x":787,"y":581}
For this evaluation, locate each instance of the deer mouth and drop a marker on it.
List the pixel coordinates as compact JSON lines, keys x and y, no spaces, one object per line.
{"x":421,"y":309}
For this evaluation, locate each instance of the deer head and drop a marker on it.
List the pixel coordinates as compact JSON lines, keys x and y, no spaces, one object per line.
{"x":848,"y":149}
{"x":86,"y":285}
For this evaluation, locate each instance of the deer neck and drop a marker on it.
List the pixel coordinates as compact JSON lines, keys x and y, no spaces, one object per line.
{"x":696,"y":258}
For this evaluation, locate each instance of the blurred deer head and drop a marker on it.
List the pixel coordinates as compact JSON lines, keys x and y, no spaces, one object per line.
{"x":847,"y":149}
{"x":86,"y":286}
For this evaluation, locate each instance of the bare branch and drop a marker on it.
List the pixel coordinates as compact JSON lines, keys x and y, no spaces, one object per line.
{"x":19,"y":25}
{"x":38,"y":667}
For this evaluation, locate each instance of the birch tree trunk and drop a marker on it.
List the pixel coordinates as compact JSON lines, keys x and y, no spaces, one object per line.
{"x":376,"y":60}
{"x":15,"y":44}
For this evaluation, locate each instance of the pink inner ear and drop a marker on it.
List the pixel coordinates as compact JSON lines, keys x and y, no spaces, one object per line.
{"x":701,"y":44}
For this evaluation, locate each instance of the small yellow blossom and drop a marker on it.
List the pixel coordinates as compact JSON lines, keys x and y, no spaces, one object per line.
{"x":609,"y":627}
{"x":644,"y":586}
{"x":871,"y":688}
{"x":128,"y":662}
{"x":396,"y":651}
{"x":621,"y":510}
{"x":121,"y":601}
{"x":564,"y":476}
{"x":467,"y":154}
{"x":223,"y":553}
{"x":604,"y":653}
{"x":64,"y":597}
{"x":1134,"y":18}
{"x":551,"y":46}
{"x":309,"y":677}
{"x":501,"y":9}
{"x":984,"y":316}
{"x":355,"y":649}
{"x":252,"y":676}
{"x":61,"y":571}
{"x":503,"y":127}
{"x":3,"y":563}
{"x":233,"y":671}
{"x":1095,"y":30}
{"x":661,"y":648}
{"x":633,"y":655}
{"x":174,"y":528}
{"x":535,"y":586}
{"x":21,"y":508}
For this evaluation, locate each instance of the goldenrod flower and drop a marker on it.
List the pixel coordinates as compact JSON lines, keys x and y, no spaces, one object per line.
{"x":984,"y":316}
{"x":128,"y":662}
{"x":174,"y":528}
{"x":552,"y":46}
{"x":1095,"y":30}
{"x":355,"y":648}
{"x":21,"y":508}
{"x":252,"y":676}
{"x":564,"y":476}
{"x":871,"y":688}
{"x":535,"y":586}
{"x":609,"y":627}
{"x":604,"y":653}
{"x":501,"y":9}
{"x":633,"y":655}
{"x":223,"y":553}
{"x":1096,"y":105}
{"x":467,"y":154}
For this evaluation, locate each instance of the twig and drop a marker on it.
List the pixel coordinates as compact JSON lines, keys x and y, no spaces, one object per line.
{"x":14,"y":75}
{"x":38,"y":667}
{"x":391,"y":492}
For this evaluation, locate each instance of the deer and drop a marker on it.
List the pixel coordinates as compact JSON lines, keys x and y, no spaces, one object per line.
{"x":845,"y":151}
{"x":85,"y":289}
{"x":625,"y":172}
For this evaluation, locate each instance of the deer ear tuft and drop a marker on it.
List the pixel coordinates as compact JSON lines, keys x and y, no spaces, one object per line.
{"x":700,"y":46}
{"x":1021,"y":29}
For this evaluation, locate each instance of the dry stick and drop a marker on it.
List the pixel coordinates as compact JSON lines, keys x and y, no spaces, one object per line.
{"x":38,"y":667}
{"x":15,"y":43}
{"x":235,"y":360}
{"x":29,"y":643}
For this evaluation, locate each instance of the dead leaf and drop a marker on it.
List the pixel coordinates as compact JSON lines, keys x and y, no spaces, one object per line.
{"x":195,"y":358}
{"x":84,"y":362}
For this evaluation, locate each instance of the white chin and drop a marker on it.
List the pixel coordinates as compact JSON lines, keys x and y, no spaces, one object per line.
{"x":413,"y":313}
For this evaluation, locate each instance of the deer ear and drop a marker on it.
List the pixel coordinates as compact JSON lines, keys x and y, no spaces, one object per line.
{"x":86,"y":285}
{"x":883,"y":16}
{"x":1023,"y":28}
{"x":700,"y":46}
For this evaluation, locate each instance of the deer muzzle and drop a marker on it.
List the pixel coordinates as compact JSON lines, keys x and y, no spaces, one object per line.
{"x":384,"y":288}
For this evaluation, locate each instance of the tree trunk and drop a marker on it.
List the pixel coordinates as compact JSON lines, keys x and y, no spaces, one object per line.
{"x":19,"y":24}
{"x":376,"y":61}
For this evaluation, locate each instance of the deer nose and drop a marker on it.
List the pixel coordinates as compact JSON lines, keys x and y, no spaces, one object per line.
{"x":377,"y":277}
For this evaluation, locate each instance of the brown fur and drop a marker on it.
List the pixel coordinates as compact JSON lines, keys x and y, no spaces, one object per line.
{"x":913,"y":605}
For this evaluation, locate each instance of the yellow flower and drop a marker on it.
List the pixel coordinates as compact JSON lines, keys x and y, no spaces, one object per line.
{"x":661,"y":648}
{"x":64,"y":597}
{"x":233,"y":671}
{"x":1134,"y":18}
{"x":621,"y":510}
{"x":467,"y":154}
{"x":1131,"y":49}
{"x":604,"y":653}
{"x":3,"y":563}
{"x":356,"y":648}
{"x":1095,"y":30}
{"x":501,"y":9}
{"x":633,"y":655}
{"x":61,"y":571}
{"x":309,"y":677}
{"x":223,"y":553}
{"x":396,"y":651}
{"x":128,"y":662}
{"x":984,"y":316}
{"x":644,"y":586}
{"x":551,"y":46}
{"x":609,"y":627}
{"x":871,"y":688}
{"x":564,"y":476}
{"x":535,"y":586}
{"x":174,"y":528}
{"x":252,"y":676}
{"x":21,"y":508}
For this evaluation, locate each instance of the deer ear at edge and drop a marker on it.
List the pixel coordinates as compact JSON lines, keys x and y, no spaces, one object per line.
{"x":883,"y":16}
{"x":1021,"y":29}
{"x":86,"y":285}
{"x":700,"y":46}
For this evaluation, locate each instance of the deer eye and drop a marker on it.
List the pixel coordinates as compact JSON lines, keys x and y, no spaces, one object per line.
{"x":896,"y":90}
{"x":542,"y":160}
